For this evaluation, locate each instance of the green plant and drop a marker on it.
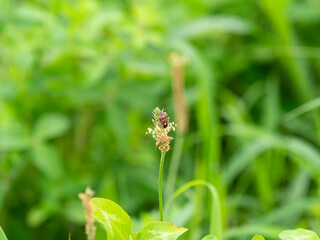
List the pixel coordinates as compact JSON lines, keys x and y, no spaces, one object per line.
{"x":118,"y":224}
{"x":116,"y":221}
{"x":162,"y":126}
{"x":2,"y":235}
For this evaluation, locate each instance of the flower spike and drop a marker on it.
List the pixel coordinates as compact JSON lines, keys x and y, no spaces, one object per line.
{"x":161,"y":127}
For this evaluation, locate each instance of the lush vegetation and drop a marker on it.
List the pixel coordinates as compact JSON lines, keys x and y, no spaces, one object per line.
{"x":80,"y":78}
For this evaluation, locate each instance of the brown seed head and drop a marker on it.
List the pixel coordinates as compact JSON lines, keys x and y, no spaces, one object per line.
{"x":88,"y":209}
{"x":178,"y":63}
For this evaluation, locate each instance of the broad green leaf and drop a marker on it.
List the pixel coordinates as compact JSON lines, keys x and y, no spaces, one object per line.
{"x":47,"y":159}
{"x":258,"y":237}
{"x":51,"y":126}
{"x":298,"y":234}
{"x":13,"y":139}
{"x":212,"y":237}
{"x":160,"y":231}
{"x":133,"y":236}
{"x":2,"y":235}
{"x":115,"y":220}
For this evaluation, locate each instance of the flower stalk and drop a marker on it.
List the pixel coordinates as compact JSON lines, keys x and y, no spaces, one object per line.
{"x":178,"y":63}
{"x":161,"y":127}
{"x":163,"y":154}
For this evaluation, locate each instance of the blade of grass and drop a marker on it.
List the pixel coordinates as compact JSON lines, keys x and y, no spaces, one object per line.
{"x":215,"y":216}
{"x":262,"y":164}
{"x":242,"y":157}
{"x":262,"y":142}
{"x":207,"y":122}
{"x":304,"y":108}
{"x":287,"y":212}
{"x":297,"y":68}
{"x":299,"y":186}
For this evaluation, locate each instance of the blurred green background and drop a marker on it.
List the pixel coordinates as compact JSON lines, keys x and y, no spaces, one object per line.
{"x":80,"y":78}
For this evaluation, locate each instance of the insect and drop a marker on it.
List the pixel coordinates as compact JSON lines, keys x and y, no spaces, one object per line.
{"x":164,"y":119}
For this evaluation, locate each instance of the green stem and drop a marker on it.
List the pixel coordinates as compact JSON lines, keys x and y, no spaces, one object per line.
{"x":163,"y":154}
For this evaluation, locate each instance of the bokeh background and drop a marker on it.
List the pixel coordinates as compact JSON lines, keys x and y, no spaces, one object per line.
{"x":80,"y":78}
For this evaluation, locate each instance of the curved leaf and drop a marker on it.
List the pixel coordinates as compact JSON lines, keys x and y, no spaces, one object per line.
{"x":218,"y":23}
{"x":115,"y":220}
{"x":2,"y":235}
{"x":14,"y":138}
{"x":304,"y":108}
{"x":258,"y":237}
{"x":215,"y":218}
{"x":51,"y":126}
{"x":211,"y":237}
{"x":160,"y":231}
{"x":298,"y":234}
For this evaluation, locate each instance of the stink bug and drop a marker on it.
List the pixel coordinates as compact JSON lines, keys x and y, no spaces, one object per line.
{"x":164,"y":119}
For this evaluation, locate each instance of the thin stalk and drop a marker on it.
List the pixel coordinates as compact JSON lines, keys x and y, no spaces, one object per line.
{"x":215,"y":215}
{"x":163,"y":154}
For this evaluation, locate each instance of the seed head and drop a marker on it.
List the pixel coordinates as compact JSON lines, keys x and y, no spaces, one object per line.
{"x":161,"y":128}
{"x":178,"y":63}
{"x":88,"y":209}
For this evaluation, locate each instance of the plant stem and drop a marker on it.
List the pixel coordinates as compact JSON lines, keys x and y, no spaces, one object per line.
{"x":163,"y":154}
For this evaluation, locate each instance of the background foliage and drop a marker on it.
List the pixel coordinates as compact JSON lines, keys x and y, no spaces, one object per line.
{"x":78,"y":82}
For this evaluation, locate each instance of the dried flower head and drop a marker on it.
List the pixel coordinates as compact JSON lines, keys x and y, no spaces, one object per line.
{"x":88,"y":209}
{"x":162,"y":126}
{"x":178,"y":63}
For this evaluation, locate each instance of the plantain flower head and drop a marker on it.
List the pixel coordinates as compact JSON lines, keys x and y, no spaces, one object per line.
{"x":88,"y":209}
{"x":161,"y":128}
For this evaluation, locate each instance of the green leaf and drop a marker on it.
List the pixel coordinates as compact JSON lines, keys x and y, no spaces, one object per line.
{"x":115,"y":220}
{"x":14,"y":139}
{"x":160,"y":231}
{"x":133,"y":236}
{"x":304,"y":108}
{"x":47,"y":159}
{"x":298,"y":234}
{"x":51,"y":126}
{"x":212,"y":237}
{"x":2,"y":235}
{"x":209,"y":25}
{"x":36,"y":216}
{"x":258,"y":237}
